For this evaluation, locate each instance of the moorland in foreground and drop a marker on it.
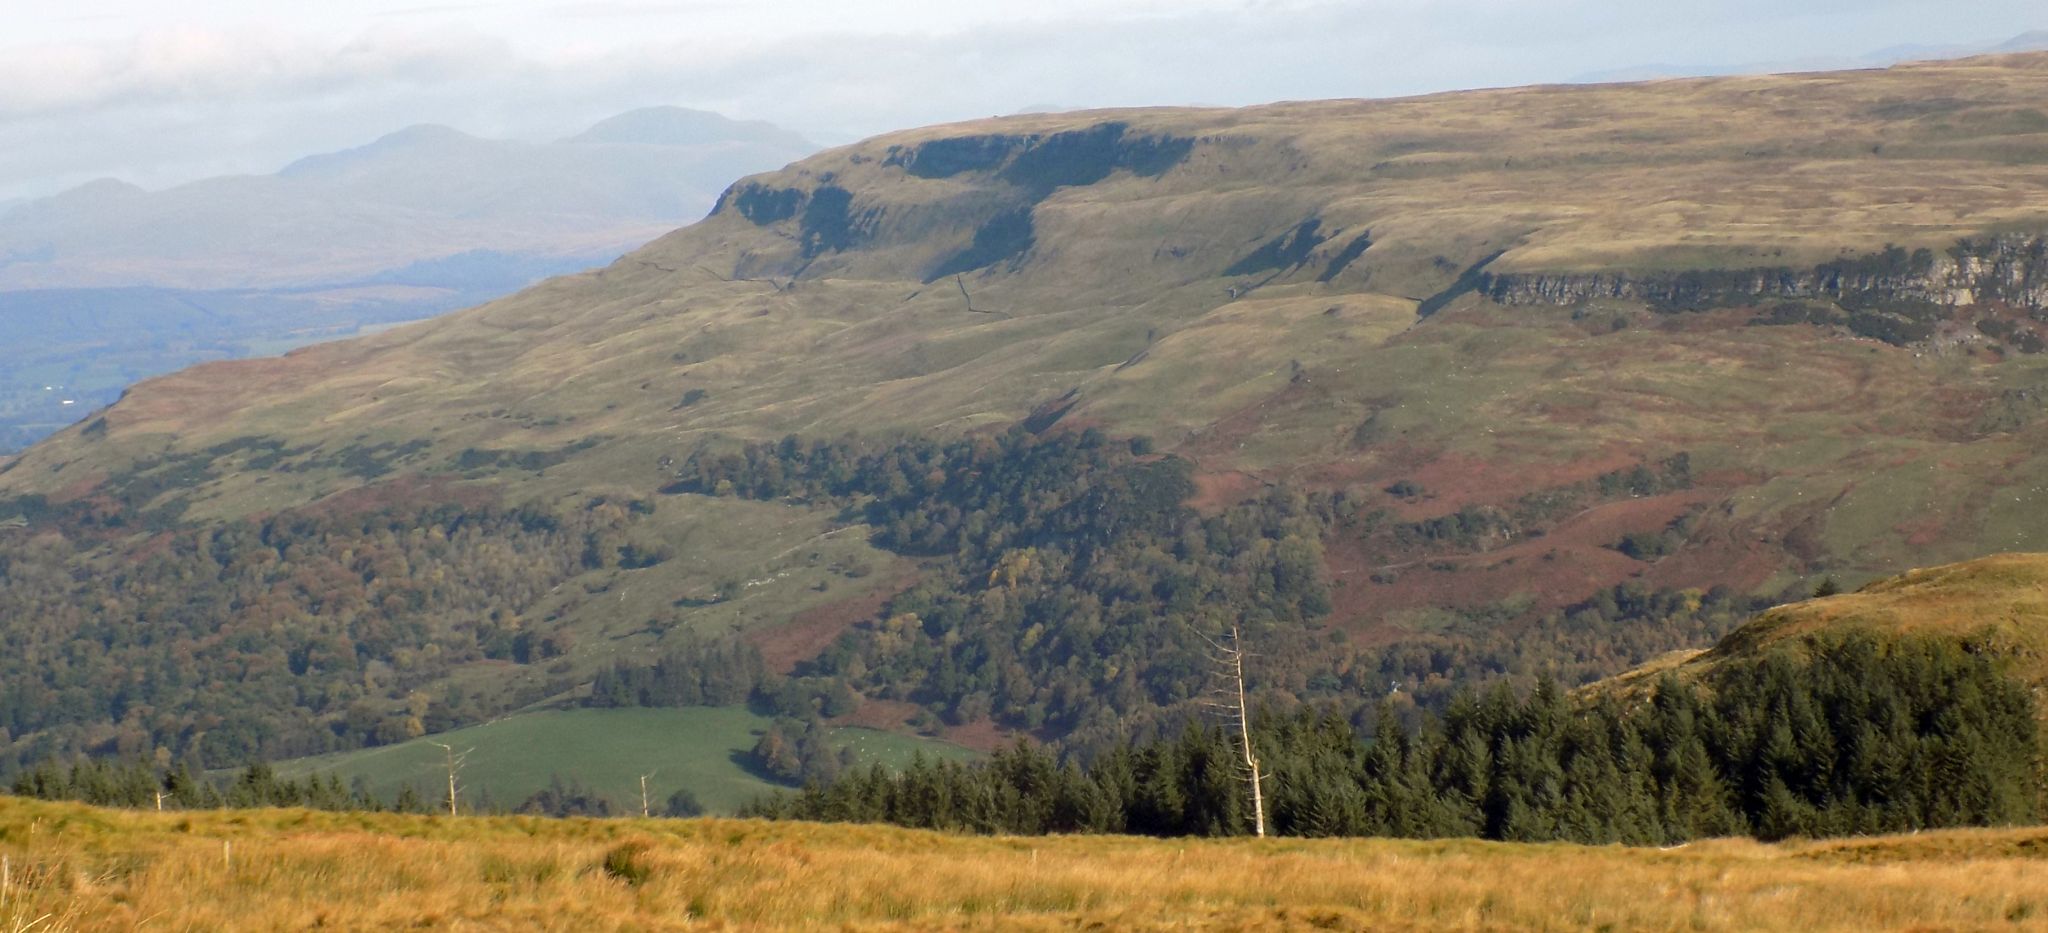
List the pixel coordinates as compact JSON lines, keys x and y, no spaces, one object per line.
{"x":76,"y":867}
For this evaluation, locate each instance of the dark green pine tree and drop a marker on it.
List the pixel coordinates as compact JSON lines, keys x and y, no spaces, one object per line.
{"x":409,"y":801}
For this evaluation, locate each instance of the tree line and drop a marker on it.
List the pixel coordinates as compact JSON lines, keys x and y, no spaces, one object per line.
{"x":140,"y":785}
{"x":1838,"y":735}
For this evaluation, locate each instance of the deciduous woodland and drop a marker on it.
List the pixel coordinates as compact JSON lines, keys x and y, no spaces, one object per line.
{"x":292,"y":635}
{"x":1072,"y":589}
{"x":1066,"y":592}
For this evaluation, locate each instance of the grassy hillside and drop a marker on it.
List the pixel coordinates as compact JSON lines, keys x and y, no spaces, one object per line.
{"x":1998,"y":604}
{"x":1473,"y":315}
{"x":1148,"y":297}
{"x":699,"y":750}
{"x":72,"y":867}
{"x":73,"y":351}
{"x":106,"y":285}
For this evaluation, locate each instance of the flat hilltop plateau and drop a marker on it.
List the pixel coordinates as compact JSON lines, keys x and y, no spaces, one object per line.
{"x":958,"y":431}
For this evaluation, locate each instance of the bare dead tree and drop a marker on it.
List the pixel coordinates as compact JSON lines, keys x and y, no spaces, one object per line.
{"x":455,"y":763}
{"x":1228,"y":657}
{"x":644,"y":809}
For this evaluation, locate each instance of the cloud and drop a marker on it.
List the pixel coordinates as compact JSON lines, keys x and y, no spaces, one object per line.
{"x":437,"y":9}
{"x":184,"y":65}
{"x":179,"y":101}
{"x":641,"y":9}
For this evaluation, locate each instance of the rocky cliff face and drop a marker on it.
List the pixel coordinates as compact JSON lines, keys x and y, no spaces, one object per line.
{"x":2006,"y":269}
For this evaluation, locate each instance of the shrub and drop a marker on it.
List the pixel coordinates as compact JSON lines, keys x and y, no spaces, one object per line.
{"x":628,"y":863}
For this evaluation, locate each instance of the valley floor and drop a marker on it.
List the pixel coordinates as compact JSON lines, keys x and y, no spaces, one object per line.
{"x":76,"y":867}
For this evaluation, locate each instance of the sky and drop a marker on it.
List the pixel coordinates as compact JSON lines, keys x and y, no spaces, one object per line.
{"x":158,"y":93}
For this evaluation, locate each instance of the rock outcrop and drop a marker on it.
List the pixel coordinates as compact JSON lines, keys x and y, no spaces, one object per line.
{"x":2006,"y":269}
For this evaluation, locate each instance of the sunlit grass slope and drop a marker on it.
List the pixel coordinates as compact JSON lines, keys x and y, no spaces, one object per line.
{"x":73,"y":867}
{"x":1999,"y":603}
{"x":1137,"y":294}
{"x":697,"y":749}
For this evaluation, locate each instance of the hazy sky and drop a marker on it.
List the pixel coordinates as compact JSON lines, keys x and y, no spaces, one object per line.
{"x":158,"y":92}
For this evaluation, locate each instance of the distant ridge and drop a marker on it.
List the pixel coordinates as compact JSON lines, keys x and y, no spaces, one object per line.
{"x":420,"y":137}
{"x":419,"y":193}
{"x":680,"y":126}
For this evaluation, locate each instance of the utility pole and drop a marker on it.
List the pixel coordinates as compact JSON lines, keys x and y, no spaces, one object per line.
{"x":1229,"y":659}
{"x":455,"y":763}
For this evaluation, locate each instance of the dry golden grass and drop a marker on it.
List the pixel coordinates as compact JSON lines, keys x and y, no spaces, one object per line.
{"x":94,"y":869}
{"x":2008,"y":592}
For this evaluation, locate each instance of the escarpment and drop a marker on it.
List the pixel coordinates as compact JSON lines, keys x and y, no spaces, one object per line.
{"x":1996,"y":284}
{"x":2006,"y":269}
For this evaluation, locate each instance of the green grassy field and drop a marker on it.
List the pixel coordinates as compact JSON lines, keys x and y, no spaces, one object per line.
{"x":607,"y":750}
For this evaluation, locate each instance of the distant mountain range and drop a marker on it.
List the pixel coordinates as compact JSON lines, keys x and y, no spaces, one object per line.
{"x":421,"y":193}
{"x":108,"y":283}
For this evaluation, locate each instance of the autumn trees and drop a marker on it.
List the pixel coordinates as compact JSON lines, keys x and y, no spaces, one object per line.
{"x":298,"y":633}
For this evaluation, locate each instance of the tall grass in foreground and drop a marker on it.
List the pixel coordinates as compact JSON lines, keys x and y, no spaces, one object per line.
{"x":102,"y":869}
